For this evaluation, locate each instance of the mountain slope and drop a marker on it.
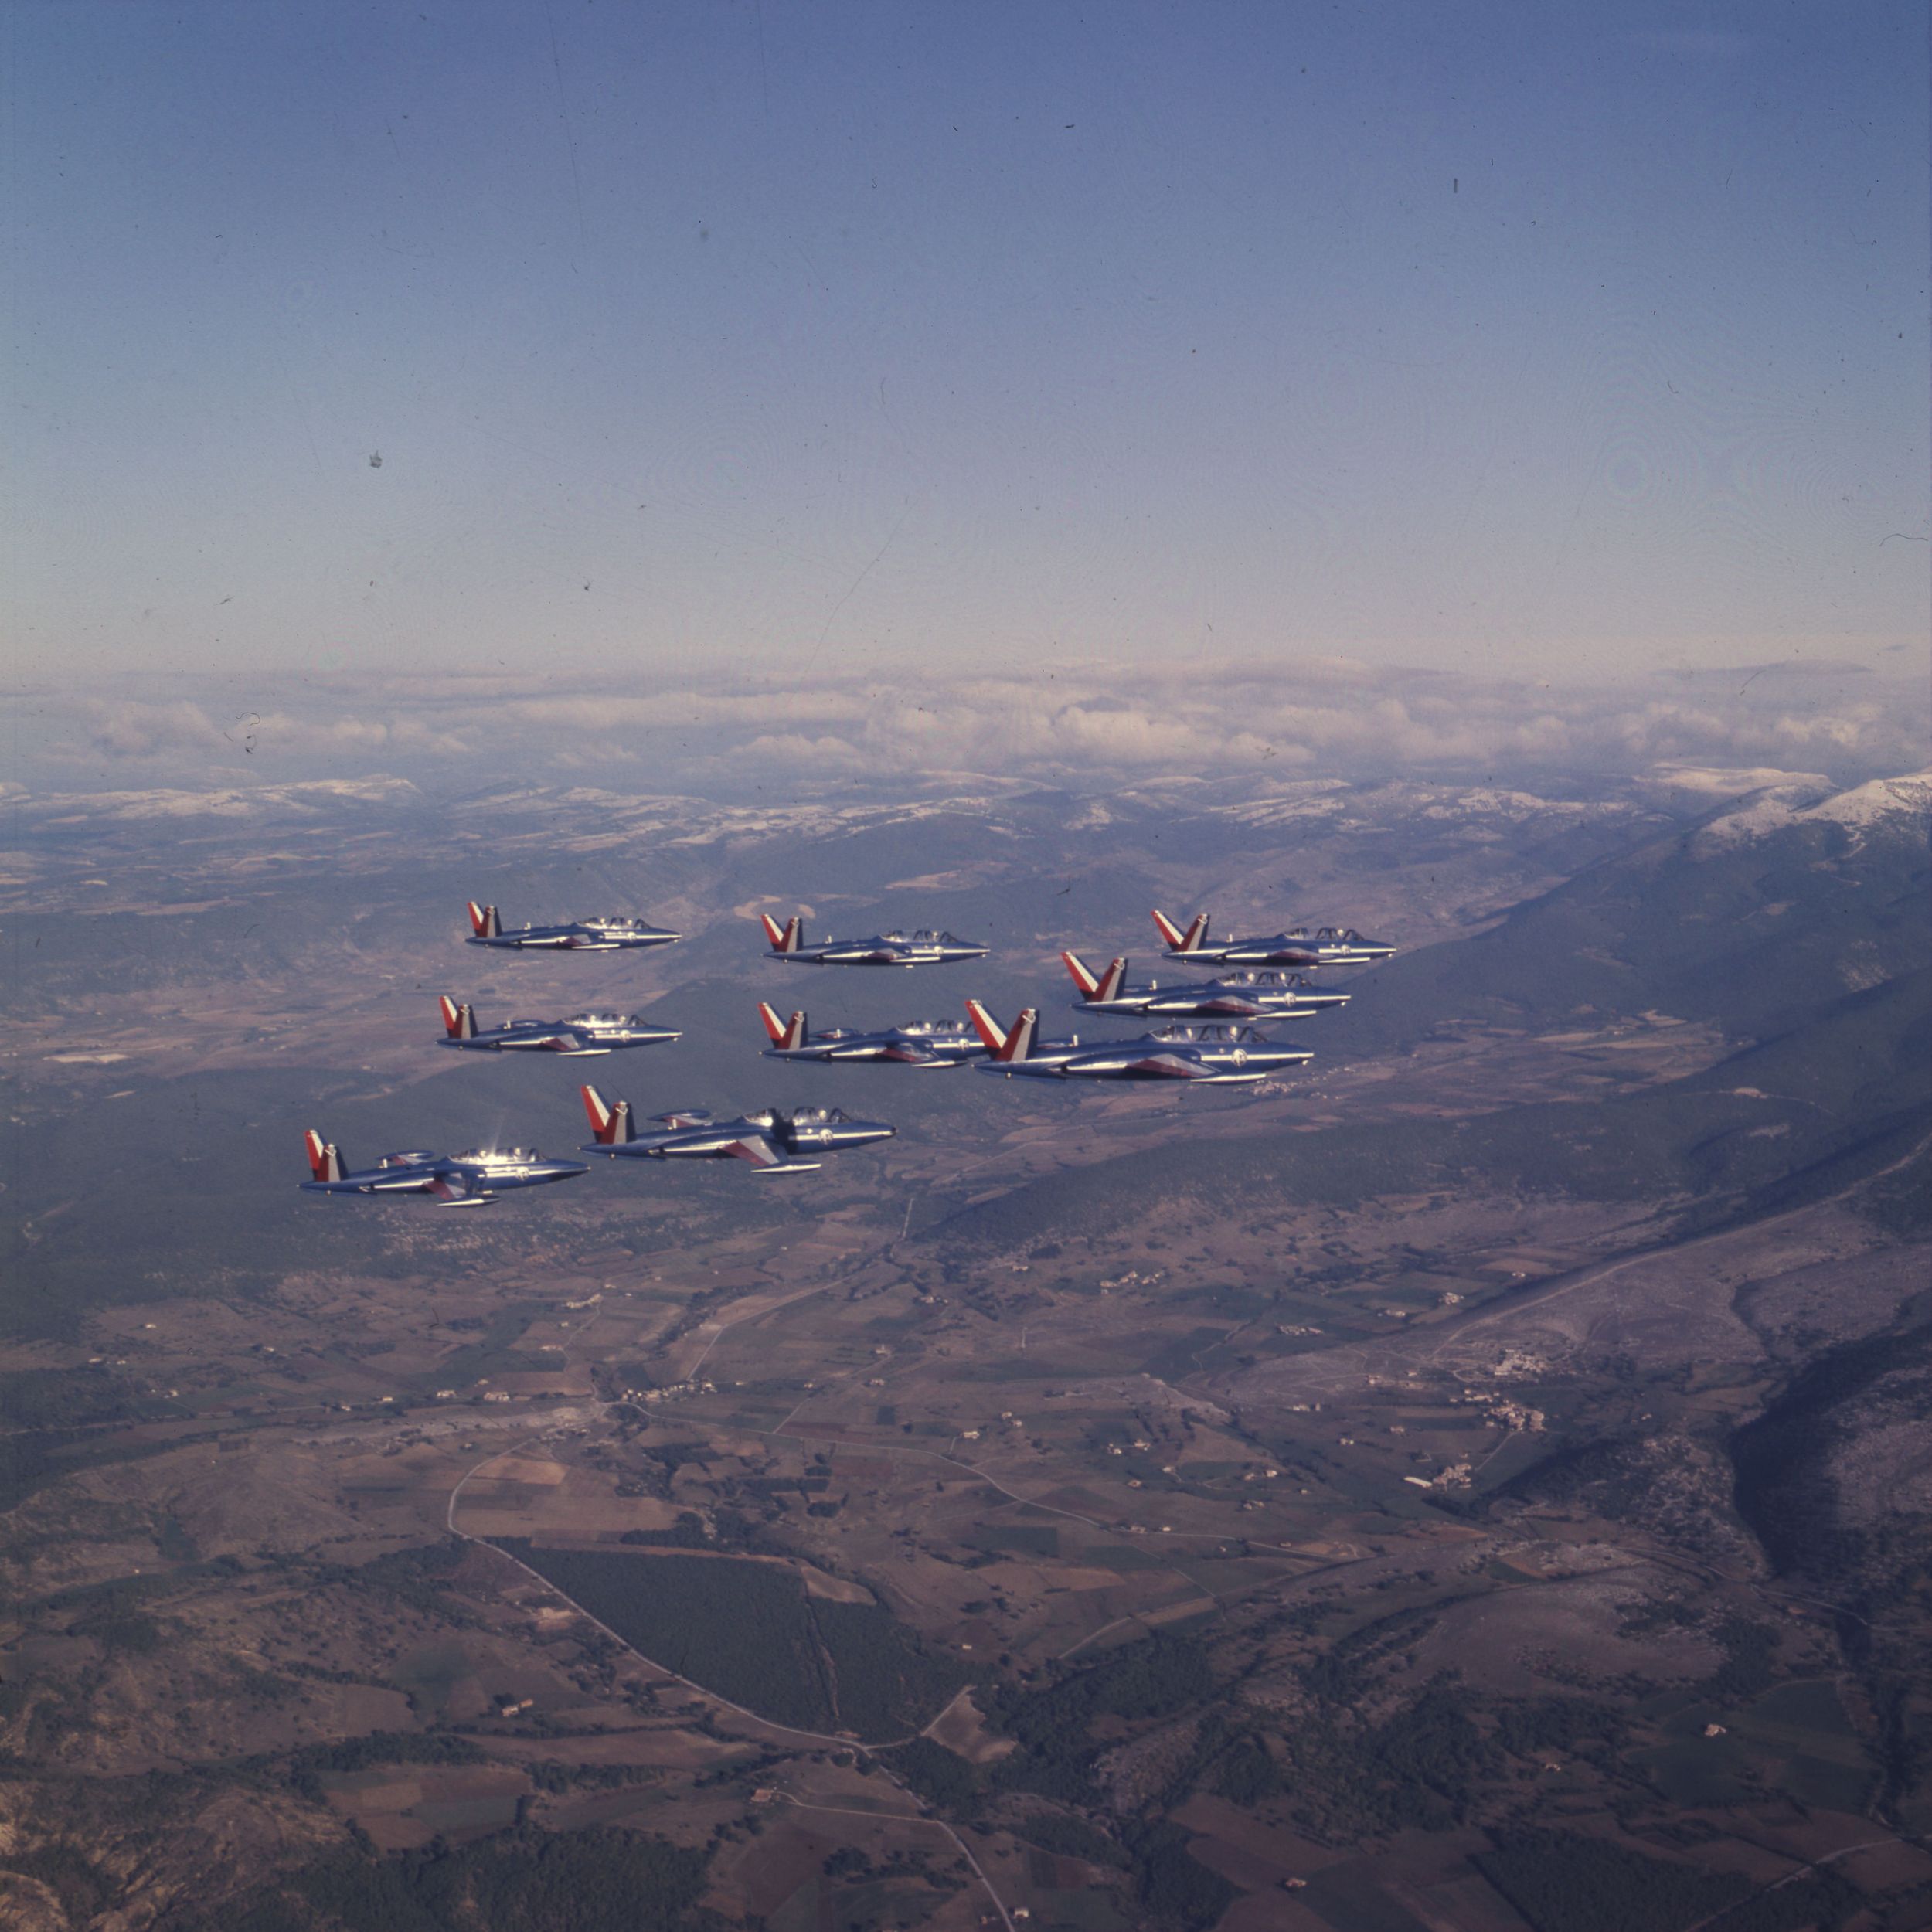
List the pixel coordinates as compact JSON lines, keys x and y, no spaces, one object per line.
{"x":1842,"y":1092}
{"x":1747,"y":919}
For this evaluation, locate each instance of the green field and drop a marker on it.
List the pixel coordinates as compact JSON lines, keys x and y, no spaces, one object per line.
{"x":747,"y":1631}
{"x":737,"y":1626}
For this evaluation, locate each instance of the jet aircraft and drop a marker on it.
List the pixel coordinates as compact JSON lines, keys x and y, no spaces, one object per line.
{"x":611,"y":935}
{"x":1244,"y":996}
{"x":919,"y":1042}
{"x":581,"y":1036}
{"x":1216,"y":1055}
{"x":1328,"y":946}
{"x":772,"y":1141}
{"x":473,"y":1179}
{"x":883,"y":949}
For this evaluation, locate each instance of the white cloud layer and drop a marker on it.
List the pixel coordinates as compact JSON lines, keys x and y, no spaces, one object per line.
{"x":1076,"y":724}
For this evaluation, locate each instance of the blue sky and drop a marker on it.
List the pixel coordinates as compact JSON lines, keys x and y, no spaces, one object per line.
{"x":1518,"y":341}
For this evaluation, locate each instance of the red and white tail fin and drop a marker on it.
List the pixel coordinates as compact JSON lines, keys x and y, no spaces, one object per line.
{"x":1018,"y":1043}
{"x":325,"y":1161}
{"x":1112,"y":980}
{"x":1085,"y":980}
{"x":458,"y":1021}
{"x":1183,"y":942}
{"x":610,"y":1122}
{"x":786,"y":1033}
{"x":992,"y":1035}
{"x":787,"y":938}
{"x":485,"y":921}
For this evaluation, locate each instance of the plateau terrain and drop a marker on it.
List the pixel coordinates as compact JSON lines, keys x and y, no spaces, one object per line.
{"x":1480,"y":1481}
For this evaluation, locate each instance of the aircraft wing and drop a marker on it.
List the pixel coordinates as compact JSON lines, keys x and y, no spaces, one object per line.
{"x":764,"y":1153}
{"x":458,"y":1190}
{"x":1172,"y":1066}
{"x":1230,"y":1006}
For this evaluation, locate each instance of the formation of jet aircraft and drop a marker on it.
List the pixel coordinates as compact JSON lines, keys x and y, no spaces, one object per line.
{"x":581,"y":1034}
{"x":1272,"y":995}
{"x":774,"y":1141}
{"x":919,"y":1042}
{"x":611,"y":935}
{"x":473,"y":1179}
{"x":882,"y":949}
{"x":1327,"y":946}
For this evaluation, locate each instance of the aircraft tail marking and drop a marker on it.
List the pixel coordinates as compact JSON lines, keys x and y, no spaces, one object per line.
{"x":484,"y":921}
{"x":1112,"y":979}
{"x":325,"y":1159}
{"x":1018,"y":1043}
{"x":785,"y":1034}
{"x":992,"y":1035}
{"x":458,"y":1021}
{"x":1190,"y":942}
{"x":1085,"y":980}
{"x":787,"y":938}
{"x":610,"y":1122}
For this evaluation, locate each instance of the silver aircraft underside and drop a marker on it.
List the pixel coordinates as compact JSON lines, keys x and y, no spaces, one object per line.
{"x":1219,"y":1055}
{"x":770,"y":1141}
{"x":1325,"y":946}
{"x":581,"y":1035}
{"x":920,"y":948}
{"x":926,"y":1042}
{"x":611,"y":935}
{"x":470,"y":1179}
{"x":1273,"y":993}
